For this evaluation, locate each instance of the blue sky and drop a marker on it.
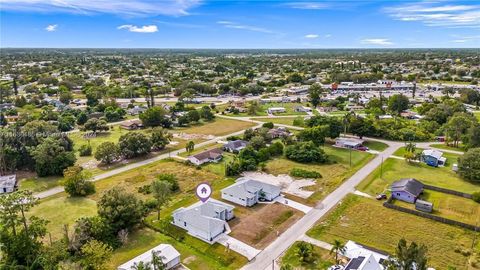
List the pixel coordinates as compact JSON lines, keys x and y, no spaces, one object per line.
{"x":239,"y":24}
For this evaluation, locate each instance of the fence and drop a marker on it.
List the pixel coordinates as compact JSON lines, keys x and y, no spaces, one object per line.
{"x":448,"y":191}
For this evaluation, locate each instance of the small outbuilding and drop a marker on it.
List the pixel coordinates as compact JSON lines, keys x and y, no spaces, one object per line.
{"x":274,"y":110}
{"x":8,"y":183}
{"x":424,"y":206}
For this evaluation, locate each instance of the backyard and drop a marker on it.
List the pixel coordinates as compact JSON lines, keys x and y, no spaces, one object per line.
{"x":322,"y":258}
{"x":367,"y":222}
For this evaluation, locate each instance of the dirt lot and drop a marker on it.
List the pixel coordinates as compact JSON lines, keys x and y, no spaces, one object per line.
{"x":258,"y":225}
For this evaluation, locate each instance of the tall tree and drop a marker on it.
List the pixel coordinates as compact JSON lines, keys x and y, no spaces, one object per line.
{"x":408,"y":257}
{"x":161,"y":191}
{"x":190,"y":146}
{"x":338,"y":248}
{"x":314,"y":94}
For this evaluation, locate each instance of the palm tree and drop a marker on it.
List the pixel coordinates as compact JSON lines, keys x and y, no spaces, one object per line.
{"x":305,"y":252}
{"x":337,"y":248}
{"x":157,"y":261}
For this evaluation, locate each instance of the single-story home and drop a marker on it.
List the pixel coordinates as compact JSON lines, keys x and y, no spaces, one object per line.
{"x":274,"y":110}
{"x":363,"y":257}
{"x":279,"y":132}
{"x":132,"y":124}
{"x":212,"y":155}
{"x":406,"y":189}
{"x":363,"y":263}
{"x":235,"y":146}
{"x":350,"y":143}
{"x":433,"y":158}
{"x":303,"y":109}
{"x":136,"y":110}
{"x":248,"y":192}
{"x":8,"y":183}
{"x":167,"y":253}
{"x":205,"y":221}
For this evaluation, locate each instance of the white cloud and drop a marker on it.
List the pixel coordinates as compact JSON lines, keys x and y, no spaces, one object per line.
{"x":328,"y":35}
{"x":377,"y":41}
{"x":123,"y":7}
{"x":51,"y":27}
{"x":459,"y":41}
{"x":311,"y":36}
{"x":142,"y":29}
{"x":233,"y":25}
{"x":307,"y":5}
{"x":437,"y":14}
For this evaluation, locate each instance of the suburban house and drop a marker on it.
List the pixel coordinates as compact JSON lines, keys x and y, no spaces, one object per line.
{"x":363,"y":257}
{"x":136,"y":110}
{"x":303,"y":109}
{"x":279,"y":132}
{"x":212,"y":155}
{"x":274,"y":110}
{"x":235,"y":146}
{"x":248,"y":192}
{"x":132,"y":124}
{"x":363,"y":263}
{"x":406,"y":189}
{"x":167,"y":253}
{"x":433,"y":158}
{"x":204,"y":220}
{"x":8,"y":183}
{"x":350,"y":143}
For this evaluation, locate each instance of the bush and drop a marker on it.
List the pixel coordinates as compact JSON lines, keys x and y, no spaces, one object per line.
{"x":301,"y":173}
{"x":77,"y":182}
{"x":305,"y":152}
{"x":469,"y":165}
{"x":85,"y":150}
{"x":476,"y":196}
{"x":171,"y":179}
{"x":268,"y":125}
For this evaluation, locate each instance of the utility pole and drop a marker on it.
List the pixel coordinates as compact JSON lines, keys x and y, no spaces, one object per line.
{"x":350,"y":157}
{"x":381,"y":169}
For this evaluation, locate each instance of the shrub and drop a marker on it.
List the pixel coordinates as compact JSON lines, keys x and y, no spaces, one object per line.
{"x":268,"y":125}
{"x":476,"y":196}
{"x":305,"y":152}
{"x":301,"y":173}
{"x":171,"y":179}
{"x":85,"y":150}
{"x":77,"y":182}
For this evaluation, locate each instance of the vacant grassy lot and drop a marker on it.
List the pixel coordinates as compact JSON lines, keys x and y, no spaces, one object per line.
{"x":374,"y":145}
{"x":289,"y":107}
{"x":281,"y":120}
{"x":258,"y":225}
{"x":401,"y":151}
{"x":219,"y":127}
{"x":450,"y":206}
{"x":394,"y":169}
{"x":460,"y":148}
{"x":61,"y":210}
{"x":367,"y":222}
{"x":323,"y":258}
{"x":333,"y":173}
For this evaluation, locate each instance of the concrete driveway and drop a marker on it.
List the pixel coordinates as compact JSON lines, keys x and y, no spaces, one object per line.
{"x":238,"y":246}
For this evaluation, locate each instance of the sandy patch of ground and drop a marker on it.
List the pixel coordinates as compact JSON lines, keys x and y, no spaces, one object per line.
{"x":91,"y":164}
{"x":287,"y":183}
{"x":192,"y":136}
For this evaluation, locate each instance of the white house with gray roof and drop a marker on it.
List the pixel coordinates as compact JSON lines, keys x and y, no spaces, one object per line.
{"x":168,"y":254}
{"x":205,"y":221}
{"x":8,"y":183}
{"x":248,"y":192}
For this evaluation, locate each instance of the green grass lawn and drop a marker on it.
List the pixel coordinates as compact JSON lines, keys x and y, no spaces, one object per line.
{"x":219,"y":127}
{"x":289,"y":107}
{"x":61,"y":210}
{"x":477,"y":114}
{"x":374,"y":145}
{"x":333,"y":173}
{"x":450,"y":206}
{"x":282,"y":120}
{"x":460,"y":148}
{"x":401,"y":151}
{"x":37,"y":184}
{"x":367,"y":222}
{"x":322,"y":258}
{"x":394,"y":169}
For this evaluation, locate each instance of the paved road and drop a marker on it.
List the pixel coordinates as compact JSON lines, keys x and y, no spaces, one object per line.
{"x":265,"y":258}
{"x":130,"y":166}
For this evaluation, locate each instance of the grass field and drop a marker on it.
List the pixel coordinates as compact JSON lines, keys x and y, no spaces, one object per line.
{"x":289,"y":107}
{"x":333,"y":173}
{"x":281,"y":120}
{"x":450,"y":206}
{"x":460,"y":148}
{"x":323,"y":258}
{"x":477,"y":114}
{"x":367,"y":222}
{"x":374,"y":145}
{"x":394,"y":169}
{"x":401,"y":151}
{"x":219,"y":127}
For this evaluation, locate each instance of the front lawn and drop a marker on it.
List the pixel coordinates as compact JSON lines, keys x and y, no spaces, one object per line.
{"x":375,"y":145}
{"x":394,"y":169}
{"x":322,"y":258}
{"x":460,"y":148}
{"x":367,"y":222}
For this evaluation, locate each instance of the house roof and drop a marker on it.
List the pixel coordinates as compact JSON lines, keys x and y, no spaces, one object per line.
{"x":432,"y":153}
{"x":349,"y":141}
{"x":355,"y":250}
{"x":131,"y":123}
{"x":236,"y":144}
{"x":8,"y":181}
{"x":166,"y":252}
{"x":209,"y":154}
{"x":203,"y":215}
{"x":246,"y":188}
{"x":410,"y":185}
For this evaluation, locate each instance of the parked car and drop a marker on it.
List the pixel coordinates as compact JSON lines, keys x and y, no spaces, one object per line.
{"x":382,"y":196}
{"x":362,"y":148}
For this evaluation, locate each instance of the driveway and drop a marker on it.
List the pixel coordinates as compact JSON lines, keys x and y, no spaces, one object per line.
{"x":293,"y":204}
{"x":238,"y":246}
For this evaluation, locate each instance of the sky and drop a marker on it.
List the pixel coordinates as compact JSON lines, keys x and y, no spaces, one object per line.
{"x":239,"y":24}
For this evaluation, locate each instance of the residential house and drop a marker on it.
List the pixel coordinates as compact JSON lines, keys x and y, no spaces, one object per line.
{"x":350,"y":143}
{"x":8,"y":183}
{"x":248,"y":192}
{"x":363,"y":263}
{"x":212,"y":155}
{"x":363,"y":257}
{"x":303,"y":109}
{"x":136,"y":110}
{"x":169,"y":256}
{"x":132,"y":124}
{"x":235,"y":146}
{"x":274,"y":110}
{"x":279,"y":132}
{"x":205,"y":221}
{"x":406,"y":189}
{"x":433,"y":158}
